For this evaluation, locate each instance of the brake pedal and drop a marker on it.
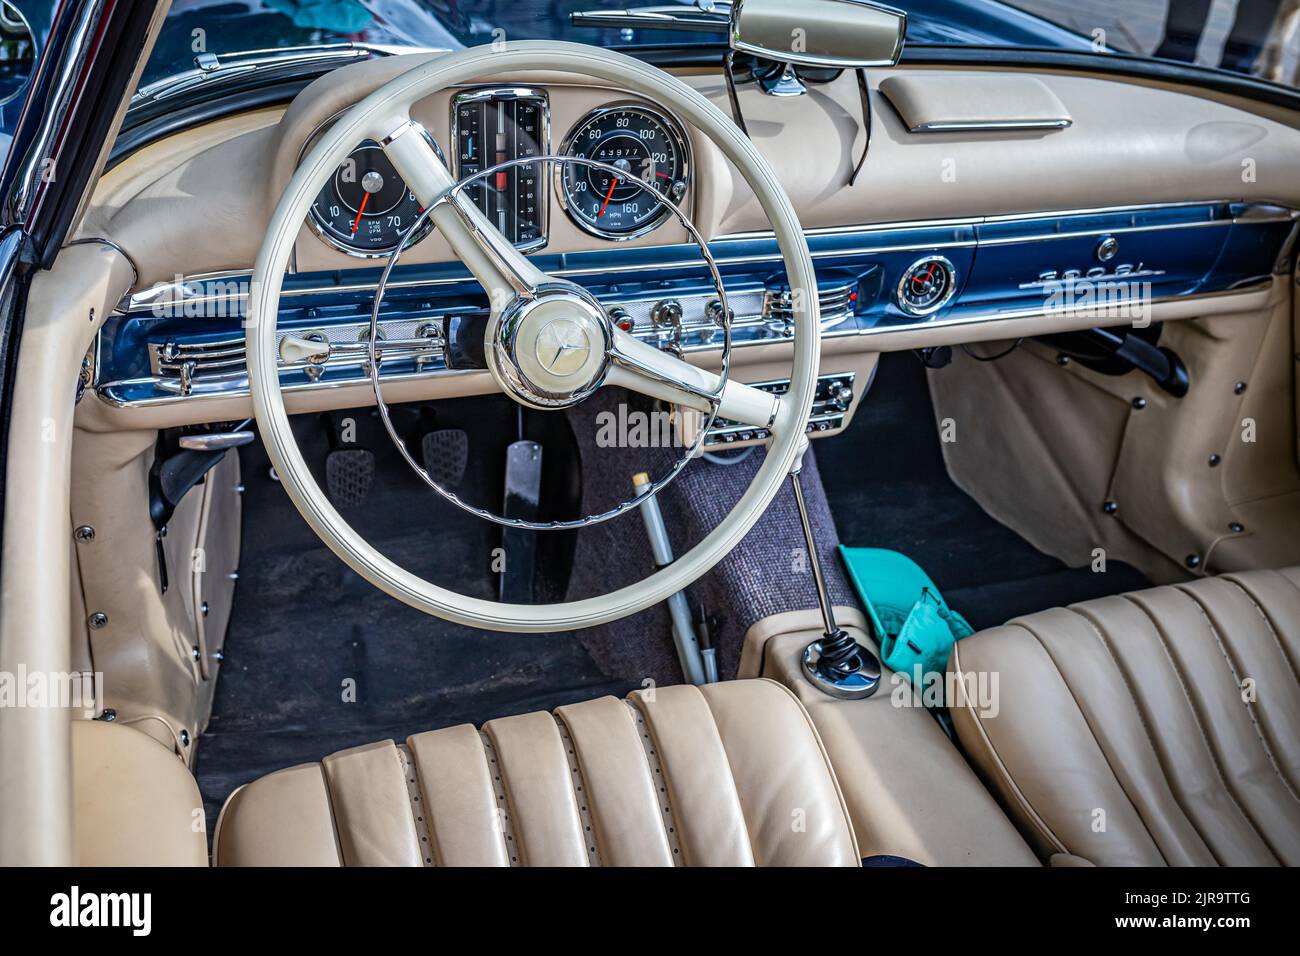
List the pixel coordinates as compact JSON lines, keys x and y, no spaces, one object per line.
{"x":446,"y":452}
{"x":349,"y":473}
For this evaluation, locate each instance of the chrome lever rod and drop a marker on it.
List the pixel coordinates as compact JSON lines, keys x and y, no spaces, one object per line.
{"x":819,"y":579}
{"x":836,"y":664}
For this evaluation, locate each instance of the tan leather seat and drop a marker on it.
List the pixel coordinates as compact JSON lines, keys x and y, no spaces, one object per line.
{"x":1160,"y":727}
{"x":729,"y":774}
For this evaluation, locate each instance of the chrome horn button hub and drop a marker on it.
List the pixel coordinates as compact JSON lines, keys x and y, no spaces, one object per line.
{"x":550,"y":348}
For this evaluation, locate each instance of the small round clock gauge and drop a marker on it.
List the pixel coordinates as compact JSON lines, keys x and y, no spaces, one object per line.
{"x":927,"y":286}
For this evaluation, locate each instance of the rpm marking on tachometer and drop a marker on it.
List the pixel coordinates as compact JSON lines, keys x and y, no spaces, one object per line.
{"x":366,"y":207}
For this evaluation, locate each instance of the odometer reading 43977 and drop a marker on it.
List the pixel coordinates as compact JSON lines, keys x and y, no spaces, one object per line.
{"x":638,"y":140}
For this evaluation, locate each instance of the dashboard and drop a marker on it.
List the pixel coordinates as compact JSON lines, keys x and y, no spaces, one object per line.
{"x":557,"y":164}
{"x":611,"y":174}
{"x":945,"y":239}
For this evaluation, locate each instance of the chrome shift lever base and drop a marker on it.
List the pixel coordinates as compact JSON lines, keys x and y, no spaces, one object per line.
{"x":853,"y":678}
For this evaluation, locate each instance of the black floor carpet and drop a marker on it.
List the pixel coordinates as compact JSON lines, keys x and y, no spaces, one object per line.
{"x":888,"y":488}
{"x":317,"y":660}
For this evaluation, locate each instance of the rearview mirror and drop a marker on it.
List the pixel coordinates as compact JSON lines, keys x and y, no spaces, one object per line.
{"x":844,"y":34}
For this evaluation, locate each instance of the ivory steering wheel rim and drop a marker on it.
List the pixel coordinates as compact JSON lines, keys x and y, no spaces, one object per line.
{"x":384,"y":116}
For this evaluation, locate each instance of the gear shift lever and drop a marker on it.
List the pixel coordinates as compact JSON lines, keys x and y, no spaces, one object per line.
{"x":836,"y":664}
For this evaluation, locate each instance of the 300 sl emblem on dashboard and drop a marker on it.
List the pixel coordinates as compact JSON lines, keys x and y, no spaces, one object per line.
{"x":1125,"y":273}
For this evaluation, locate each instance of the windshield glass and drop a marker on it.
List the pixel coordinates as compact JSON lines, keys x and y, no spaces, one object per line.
{"x":1260,"y":37}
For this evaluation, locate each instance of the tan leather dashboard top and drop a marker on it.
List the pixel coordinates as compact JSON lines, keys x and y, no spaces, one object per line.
{"x":199,"y":201}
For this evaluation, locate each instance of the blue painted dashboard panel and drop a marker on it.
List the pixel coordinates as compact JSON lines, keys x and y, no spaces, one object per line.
{"x":1002,"y":267}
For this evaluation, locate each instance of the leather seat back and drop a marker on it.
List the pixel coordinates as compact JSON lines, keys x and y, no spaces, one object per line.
{"x":1161,"y":727}
{"x":727,"y":774}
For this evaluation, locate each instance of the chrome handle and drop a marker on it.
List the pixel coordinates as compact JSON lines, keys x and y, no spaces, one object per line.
{"x":218,"y":441}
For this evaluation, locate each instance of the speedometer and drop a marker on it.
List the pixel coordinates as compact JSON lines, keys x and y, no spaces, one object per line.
{"x":634,"y":139}
{"x":366,"y":208}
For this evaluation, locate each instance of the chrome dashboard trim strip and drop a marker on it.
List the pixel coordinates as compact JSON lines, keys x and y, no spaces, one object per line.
{"x":982,"y":318}
{"x":1277,"y":212}
{"x":141,"y":301}
{"x":105,"y":391}
{"x":1087,"y":233}
{"x":1255,"y":212}
{"x":983,"y":126}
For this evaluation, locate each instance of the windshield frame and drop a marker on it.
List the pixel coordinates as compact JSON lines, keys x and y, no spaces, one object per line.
{"x":150,"y":119}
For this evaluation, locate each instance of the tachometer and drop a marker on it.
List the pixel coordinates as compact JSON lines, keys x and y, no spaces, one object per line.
{"x":366,"y":208}
{"x":636,"y":139}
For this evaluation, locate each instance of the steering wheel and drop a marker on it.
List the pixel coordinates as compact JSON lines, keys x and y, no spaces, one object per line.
{"x":528,"y":308}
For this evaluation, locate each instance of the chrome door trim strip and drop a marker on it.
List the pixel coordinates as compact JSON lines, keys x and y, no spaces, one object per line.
{"x":33,"y":168}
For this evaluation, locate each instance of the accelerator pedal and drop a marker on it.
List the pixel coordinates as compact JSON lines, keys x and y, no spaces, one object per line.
{"x":446,"y":453}
{"x":349,"y":473}
{"x":523,"y":495}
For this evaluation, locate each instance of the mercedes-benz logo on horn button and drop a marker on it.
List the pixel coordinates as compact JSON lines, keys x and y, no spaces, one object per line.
{"x":562,"y":347}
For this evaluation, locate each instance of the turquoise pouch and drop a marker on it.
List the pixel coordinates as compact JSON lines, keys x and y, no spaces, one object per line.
{"x":912,"y":622}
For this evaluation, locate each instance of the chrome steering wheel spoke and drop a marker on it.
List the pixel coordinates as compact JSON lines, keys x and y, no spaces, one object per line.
{"x":500,"y":268}
{"x":643,"y":368}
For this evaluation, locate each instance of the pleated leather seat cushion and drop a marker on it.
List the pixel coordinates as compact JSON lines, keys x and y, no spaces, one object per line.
{"x":731,"y":774}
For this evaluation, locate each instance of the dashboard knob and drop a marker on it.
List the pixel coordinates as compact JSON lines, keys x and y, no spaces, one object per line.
{"x":621,"y":318}
{"x":667,"y":314}
{"x":713,"y":312}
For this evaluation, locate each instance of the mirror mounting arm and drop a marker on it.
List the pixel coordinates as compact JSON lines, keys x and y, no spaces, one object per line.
{"x":843,"y":34}
{"x":865,"y":95}
{"x":729,"y":71}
